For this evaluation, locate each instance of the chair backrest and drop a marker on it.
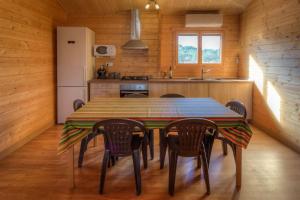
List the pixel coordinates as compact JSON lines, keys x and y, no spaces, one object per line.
{"x":118,"y":134}
{"x":172,"y":95}
{"x":190,"y":134}
{"x":237,"y":107}
{"x":78,"y":103}
{"x":135,"y":95}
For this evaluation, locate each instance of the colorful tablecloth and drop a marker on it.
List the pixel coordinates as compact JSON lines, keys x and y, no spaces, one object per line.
{"x":154,"y":113}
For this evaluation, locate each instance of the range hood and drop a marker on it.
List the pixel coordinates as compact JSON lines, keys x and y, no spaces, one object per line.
{"x":135,"y":41}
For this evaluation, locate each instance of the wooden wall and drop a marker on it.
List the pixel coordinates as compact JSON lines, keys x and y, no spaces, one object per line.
{"x":270,"y":39}
{"x":115,"y":29}
{"x":157,"y":33}
{"x":27,"y":69}
{"x":229,"y":69}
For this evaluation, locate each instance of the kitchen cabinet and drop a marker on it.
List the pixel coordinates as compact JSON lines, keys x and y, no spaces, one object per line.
{"x":185,"y":89}
{"x":221,"y":90}
{"x":101,"y":89}
{"x":224,"y":92}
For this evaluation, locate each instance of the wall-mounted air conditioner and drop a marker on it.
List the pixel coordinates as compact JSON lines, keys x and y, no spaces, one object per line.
{"x":203,"y":20}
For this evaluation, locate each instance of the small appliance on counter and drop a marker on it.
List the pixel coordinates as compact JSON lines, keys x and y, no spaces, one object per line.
{"x":101,"y":72}
{"x":114,"y":75}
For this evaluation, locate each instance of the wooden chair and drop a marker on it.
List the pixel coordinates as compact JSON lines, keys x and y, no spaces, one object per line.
{"x":77,"y":104}
{"x":186,"y":138}
{"x":121,"y":140}
{"x":162,"y":135}
{"x":239,"y":108}
{"x":150,"y":131}
{"x":172,"y":95}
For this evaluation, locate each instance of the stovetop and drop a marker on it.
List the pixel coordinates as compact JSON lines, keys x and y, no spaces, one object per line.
{"x":133,"y":78}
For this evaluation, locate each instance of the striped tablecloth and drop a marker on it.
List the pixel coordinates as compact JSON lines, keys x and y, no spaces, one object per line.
{"x":154,"y":113}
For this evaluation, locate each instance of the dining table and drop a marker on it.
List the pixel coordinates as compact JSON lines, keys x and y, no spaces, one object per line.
{"x":155,"y":113}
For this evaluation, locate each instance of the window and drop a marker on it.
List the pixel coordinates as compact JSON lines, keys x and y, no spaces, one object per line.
{"x":211,"y":49}
{"x":188,"y":49}
{"x":191,"y":52}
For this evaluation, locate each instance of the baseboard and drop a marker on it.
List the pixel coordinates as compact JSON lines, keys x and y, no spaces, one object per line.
{"x":279,"y":138}
{"x":22,"y":142}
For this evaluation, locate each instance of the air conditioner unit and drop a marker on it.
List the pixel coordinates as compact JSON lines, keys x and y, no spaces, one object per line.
{"x":104,"y":50}
{"x":203,"y":20}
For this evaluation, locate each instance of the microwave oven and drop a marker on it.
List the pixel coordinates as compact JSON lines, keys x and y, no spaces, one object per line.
{"x":104,"y":50}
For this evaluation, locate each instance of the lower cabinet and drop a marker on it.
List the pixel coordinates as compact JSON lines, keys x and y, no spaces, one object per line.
{"x":224,"y":92}
{"x":104,"y":90}
{"x":185,"y":89}
{"x":220,"y":91}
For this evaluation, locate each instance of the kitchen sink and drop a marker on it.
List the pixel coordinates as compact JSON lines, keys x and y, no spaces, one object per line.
{"x":195,"y":79}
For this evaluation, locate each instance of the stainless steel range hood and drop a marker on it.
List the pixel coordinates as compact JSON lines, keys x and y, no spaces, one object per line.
{"x":135,"y":41}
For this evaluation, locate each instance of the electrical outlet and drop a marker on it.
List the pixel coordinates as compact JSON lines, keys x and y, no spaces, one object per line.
{"x":109,"y":64}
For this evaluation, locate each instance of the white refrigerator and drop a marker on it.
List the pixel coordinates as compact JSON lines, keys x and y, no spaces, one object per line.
{"x":75,"y":67}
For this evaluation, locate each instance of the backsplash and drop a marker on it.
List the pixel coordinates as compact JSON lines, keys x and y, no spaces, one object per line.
{"x":158,"y":33}
{"x":115,"y":30}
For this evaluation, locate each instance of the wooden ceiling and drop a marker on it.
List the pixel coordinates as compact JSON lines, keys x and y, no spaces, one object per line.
{"x":168,"y":7}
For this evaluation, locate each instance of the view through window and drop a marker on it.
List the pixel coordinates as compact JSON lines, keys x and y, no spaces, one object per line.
{"x":211,"y":49}
{"x":188,"y":49}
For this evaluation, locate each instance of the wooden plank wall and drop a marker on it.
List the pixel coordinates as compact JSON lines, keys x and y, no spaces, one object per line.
{"x":27,"y":69}
{"x":157,"y":33}
{"x":271,"y":36}
{"x":171,"y":24}
{"x":115,"y":29}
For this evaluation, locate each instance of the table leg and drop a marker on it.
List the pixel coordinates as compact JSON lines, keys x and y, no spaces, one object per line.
{"x":238,"y":165}
{"x":71,"y":167}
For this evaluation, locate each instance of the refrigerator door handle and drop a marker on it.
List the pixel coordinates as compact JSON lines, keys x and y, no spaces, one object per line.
{"x":85,"y":95}
{"x":84,"y":76}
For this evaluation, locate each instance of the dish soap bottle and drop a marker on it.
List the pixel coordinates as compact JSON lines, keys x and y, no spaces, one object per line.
{"x":170,"y":73}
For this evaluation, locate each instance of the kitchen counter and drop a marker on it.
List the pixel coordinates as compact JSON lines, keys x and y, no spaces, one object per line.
{"x":179,"y":80}
{"x":195,"y":80}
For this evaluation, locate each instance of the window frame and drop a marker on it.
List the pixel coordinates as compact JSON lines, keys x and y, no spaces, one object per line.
{"x":199,"y":34}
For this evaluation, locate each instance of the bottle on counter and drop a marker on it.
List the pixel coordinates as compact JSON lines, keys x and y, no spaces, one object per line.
{"x":170,"y":73}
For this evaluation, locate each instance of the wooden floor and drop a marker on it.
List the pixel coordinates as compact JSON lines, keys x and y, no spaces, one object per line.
{"x":270,"y":171}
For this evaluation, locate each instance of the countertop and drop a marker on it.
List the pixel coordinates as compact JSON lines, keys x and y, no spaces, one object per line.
{"x":174,"y":80}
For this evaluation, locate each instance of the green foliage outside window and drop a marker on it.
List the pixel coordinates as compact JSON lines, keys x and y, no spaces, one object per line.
{"x":211,"y":56}
{"x":187,"y":54}
{"x":188,"y":49}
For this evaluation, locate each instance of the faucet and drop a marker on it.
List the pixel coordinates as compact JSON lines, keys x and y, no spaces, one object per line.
{"x":170,"y":73}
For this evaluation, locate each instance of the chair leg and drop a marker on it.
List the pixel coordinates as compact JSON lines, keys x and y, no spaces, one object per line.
{"x":103,"y":170}
{"x":113,"y":160}
{"x":208,"y":144}
{"x":224,"y":147}
{"x":172,"y":172}
{"x":81,"y":152}
{"x":199,"y":162}
{"x":137,"y":171}
{"x":144,"y":153}
{"x":88,"y":139}
{"x":162,"y":148}
{"x":151,"y":143}
{"x":108,"y":163}
{"x":205,"y":171}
